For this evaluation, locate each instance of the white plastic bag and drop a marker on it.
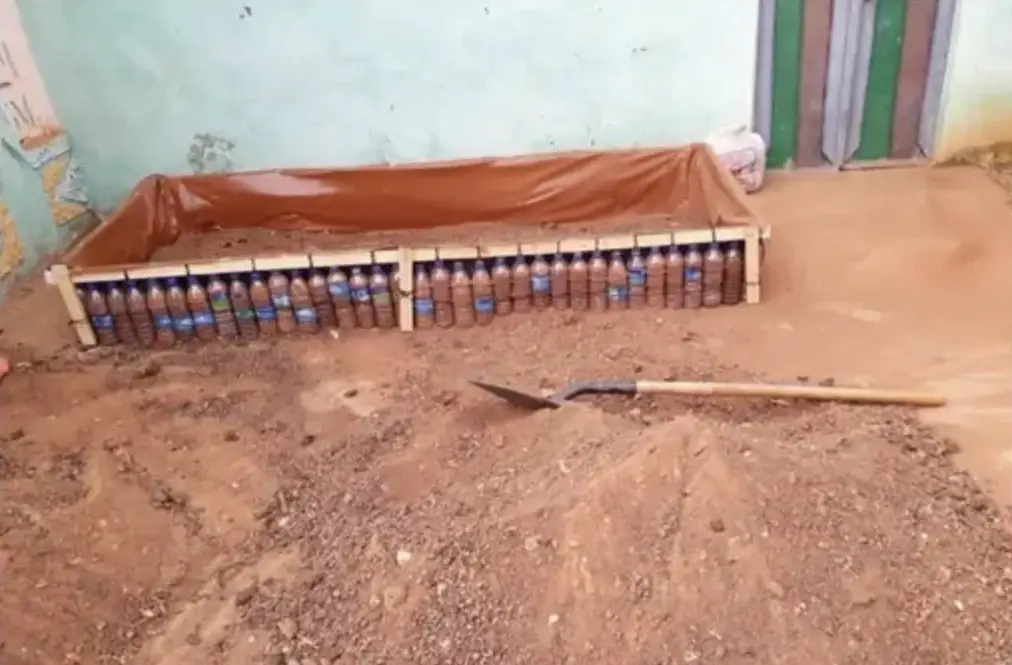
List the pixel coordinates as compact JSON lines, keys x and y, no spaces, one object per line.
{"x":743,"y":153}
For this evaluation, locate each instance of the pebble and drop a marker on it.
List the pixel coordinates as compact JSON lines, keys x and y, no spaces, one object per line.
{"x":717,"y":525}
{"x":148,"y":370}
{"x":403,"y":557}
{"x":393,"y":596}
{"x":531,"y":543}
{"x":553,"y":619}
{"x":288,"y":628}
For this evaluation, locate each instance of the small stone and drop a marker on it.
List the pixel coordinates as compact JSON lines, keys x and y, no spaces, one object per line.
{"x":394,"y":596}
{"x":148,"y":370}
{"x":553,"y":619}
{"x":351,"y":392}
{"x":775,"y":590}
{"x":288,"y":628}
{"x":828,"y":382}
{"x":531,"y":543}
{"x":16,"y":435}
{"x":231,"y":435}
{"x":245,"y":595}
{"x":717,"y":525}
{"x":403,"y":557}
{"x":308,"y":440}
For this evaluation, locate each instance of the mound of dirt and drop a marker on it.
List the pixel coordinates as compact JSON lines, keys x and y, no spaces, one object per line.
{"x":581,"y":536}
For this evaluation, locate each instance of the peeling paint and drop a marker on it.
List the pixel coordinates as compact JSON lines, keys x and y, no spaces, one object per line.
{"x":210,"y":154}
{"x":11,"y":250}
{"x":64,"y":189}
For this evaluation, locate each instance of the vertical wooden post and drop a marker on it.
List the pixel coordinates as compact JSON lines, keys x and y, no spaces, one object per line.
{"x":406,"y":270}
{"x":60,"y":276}
{"x":752,"y":291}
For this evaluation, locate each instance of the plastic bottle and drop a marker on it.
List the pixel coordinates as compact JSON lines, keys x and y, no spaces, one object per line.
{"x":361,"y":298}
{"x":340,"y":296}
{"x":302,"y":304}
{"x":242,"y":305}
{"x":597,"y":271}
{"x":521,"y":286}
{"x":175,"y":300}
{"x":693,"y":285}
{"x":655,"y":278}
{"x":200,"y":308}
{"x":137,"y":306}
{"x":618,"y":283}
{"x":578,"y":283}
{"x":260,"y":296}
{"x":484,"y":300}
{"x":161,"y":317}
{"x":441,"y":295}
{"x":423,"y":306}
{"x":395,"y":293}
{"x":281,"y":298}
{"x":116,"y":300}
{"x":637,"y":270}
{"x":221,"y":307}
{"x":502,"y":286}
{"x":734,"y":275}
{"x":321,"y":299}
{"x":463,"y":298}
{"x":101,"y":319}
{"x":382,"y":301}
{"x":541,"y":283}
{"x":560,"y":282}
{"x":674,"y":298}
{"x":713,"y":276}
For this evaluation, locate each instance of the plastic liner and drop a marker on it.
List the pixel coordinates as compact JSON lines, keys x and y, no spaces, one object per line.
{"x":687,"y":185}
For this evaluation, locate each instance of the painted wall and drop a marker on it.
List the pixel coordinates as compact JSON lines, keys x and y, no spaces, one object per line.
{"x":41,"y":194}
{"x":188,"y":85}
{"x":977,"y":102}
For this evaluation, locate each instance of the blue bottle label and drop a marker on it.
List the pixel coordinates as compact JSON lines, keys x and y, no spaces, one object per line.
{"x":339,"y":290}
{"x":102,"y":322}
{"x":693,"y":274}
{"x":219,"y":302}
{"x":484,"y":305}
{"x":244,"y":314}
{"x":541,"y":284}
{"x":637,"y":278}
{"x":305,"y":315}
{"x":618,"y":293}
{"x":282,"y":302}
{"x":266,"y":314}
{"x":424,"y":306}
{"x":182,"y":323}
{"x":163,"y":321}
{"x":203,"y":319}
{"x":361,"y":295}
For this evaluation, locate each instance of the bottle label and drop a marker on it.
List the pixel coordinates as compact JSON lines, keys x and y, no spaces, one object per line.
{"x":637,"y":278}
{"x":203,"y":319}
{"x":424,"y":306}
{"x":339,"y":290}
{"x":266,"y":313}
{"x":541,"y":284}
{"x":163,"y":321}
{"x":618,"y":293}
{"x":182,"y":323}
{"x":282,"y":301}
{"x":305,"y":315}
{"x":484,"y":305}
{"x":244,"y":314}
{"x":102,"y":322}
{"x":361,"y":295}
{"x":381,"y":297}
{"x":219,"y":302}
{"x":693,"y":274}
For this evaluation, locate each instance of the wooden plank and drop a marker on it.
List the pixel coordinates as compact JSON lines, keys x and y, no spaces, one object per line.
{"x":457,"y":253}
{"x":729,"y":233}
{"x":544,"y":247}
{"x":818,"y":15}
{"x":218,"y":266}
{"x":157,"y":271}
{"x":498,"y":251}
{"x":75,"y":308}
{"x":787,"y":25}
{"x":653,"y":239}
{"x":692,"y":237}
{"x":424,"y":254}
{"x":90,"y":276}
{"x":883,"y":74}
{"x":616,"y":242}
{"x":913,"y":77}
{"x":353,"y":257}
{"x":752,"y":265}
{"x":574,"y":245}
{"x":386,"y":256}
{"x":406,"y":272}
{"x":282,"y":262}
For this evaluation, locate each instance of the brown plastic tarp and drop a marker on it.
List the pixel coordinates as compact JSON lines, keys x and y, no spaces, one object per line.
{"x":687,"y":183}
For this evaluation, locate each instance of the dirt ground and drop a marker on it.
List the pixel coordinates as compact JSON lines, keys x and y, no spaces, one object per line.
{"x":353,"y":500}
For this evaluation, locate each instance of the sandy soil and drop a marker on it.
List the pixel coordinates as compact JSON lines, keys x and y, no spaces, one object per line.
{"x":354,"y":500}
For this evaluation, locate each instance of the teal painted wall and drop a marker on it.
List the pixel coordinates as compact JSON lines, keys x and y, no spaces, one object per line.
{"x":180,"y":85}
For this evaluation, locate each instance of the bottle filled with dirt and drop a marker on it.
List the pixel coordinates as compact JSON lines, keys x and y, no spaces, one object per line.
{"x":618,"y":283}
{"x":578,"y":283}
{"x":137,"y":306}
{"x":101,"y":320}
{"x":713,"y":276}
{"x":221,"y":307}
{"x":463,"y":297}
{"x":395,"y":292}
{"x":362,"y":299}
{"x":655,"y":278}
{"x":423,"y":305}
{"x":263,"y":305}
{"x":382,"y":301}
{"x":302,"y":305}
{"x":340,"y":297}
{"x":161,"y":317}
{"x":182,"y":320}
{"x":637,"y":269}
{"x":541,"y":283}
{"x":674,"y":298}
{"x":521,"y":286}
{"x":597,"y":271}
{"x":442,"y":296}
{"x":734,"y":275}
{"x":502,"y":287}
{"x":321,"y":299}
{"x":242,"y":305}
{"x":115,"y":297}
{"x":560,"y":282}
{"x":281,"y":298}
{"x":693,"y":283}
{"x":200,"y":309}
{"x":484,"y":298}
